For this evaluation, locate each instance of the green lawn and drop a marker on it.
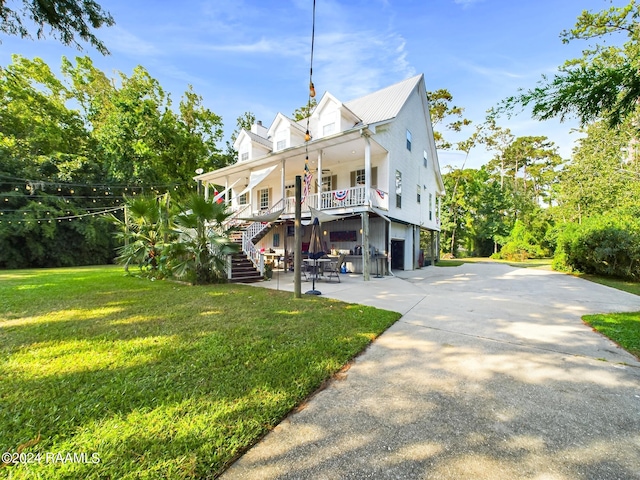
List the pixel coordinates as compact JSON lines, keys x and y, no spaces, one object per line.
{"x":622,"y":328}
{"x":157,"y":379}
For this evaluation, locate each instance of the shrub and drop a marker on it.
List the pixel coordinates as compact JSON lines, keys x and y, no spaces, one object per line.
{"x":603,"y":245}
{"x":522,"y":244}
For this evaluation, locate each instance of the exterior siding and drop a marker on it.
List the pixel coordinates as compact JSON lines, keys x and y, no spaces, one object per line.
{"x":411,"y":164}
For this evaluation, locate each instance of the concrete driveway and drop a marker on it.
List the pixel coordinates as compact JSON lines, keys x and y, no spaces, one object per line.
{"x":489,"y":374}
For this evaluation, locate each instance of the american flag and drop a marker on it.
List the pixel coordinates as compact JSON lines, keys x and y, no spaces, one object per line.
{"x":307,"y":180}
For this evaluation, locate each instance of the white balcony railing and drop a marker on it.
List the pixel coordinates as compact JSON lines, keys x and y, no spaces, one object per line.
{"x":350,"y":197}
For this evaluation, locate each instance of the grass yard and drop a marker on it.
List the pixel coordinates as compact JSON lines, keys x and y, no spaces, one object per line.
{"x":624,"y":285}
{"x":622,"y":328}
{"x":153,"y":380}
{"x":448,"y":263}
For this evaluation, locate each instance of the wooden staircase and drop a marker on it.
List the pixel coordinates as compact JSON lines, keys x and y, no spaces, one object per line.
{"x":242,"y":269}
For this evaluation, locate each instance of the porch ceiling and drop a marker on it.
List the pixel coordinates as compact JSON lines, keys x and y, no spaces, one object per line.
{"x":345,"y":147}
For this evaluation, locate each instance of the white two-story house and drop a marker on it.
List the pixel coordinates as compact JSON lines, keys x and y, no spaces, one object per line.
{"x":375,"y":179}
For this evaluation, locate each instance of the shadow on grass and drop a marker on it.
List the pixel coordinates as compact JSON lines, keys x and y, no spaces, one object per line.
{"x":159,"y":379}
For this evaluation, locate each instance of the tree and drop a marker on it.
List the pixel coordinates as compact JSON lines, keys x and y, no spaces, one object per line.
{"x":142,"y":138}
{"x":441,"y":110}
{"x":201,"y":250}
{"x":532,"y":162}
{"x":602,"y":176}
{"x":145,"y":233}
{"x":496,"y":139}
{"x":604,"y":83}
{"x":305,"y":111}
{"x":65,"y":18}
{"x":72,"y":147}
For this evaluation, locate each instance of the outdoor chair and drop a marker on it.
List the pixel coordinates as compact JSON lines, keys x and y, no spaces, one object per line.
{"x":334,"y":266}
{"x":305,"y":272}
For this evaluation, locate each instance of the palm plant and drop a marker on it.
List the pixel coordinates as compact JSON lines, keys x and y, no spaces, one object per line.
{"x":145,"y":233}
{"x":200,"y":252}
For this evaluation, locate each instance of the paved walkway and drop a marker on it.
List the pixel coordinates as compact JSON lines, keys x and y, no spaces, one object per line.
{"x":489,"y":374}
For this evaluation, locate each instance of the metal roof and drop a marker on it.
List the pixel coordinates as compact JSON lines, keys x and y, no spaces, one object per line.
{"x":261,"y":140}
{"x":384,"y":104}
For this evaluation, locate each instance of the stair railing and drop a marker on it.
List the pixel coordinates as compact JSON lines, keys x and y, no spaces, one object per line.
{"x":252,"y":231}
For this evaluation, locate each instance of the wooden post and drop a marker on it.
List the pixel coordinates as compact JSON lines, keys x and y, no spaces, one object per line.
{"x":366,"y":258}
{"x":297,"y":252}
{"x":431,"y":249}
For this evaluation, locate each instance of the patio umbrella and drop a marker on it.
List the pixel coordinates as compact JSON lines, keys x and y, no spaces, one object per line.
{"x":315,"y":252}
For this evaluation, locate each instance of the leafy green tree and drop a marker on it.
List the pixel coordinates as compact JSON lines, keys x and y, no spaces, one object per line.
{"x":604,"y":83}
{"x":496,"y":139}
{"x":445,"y":114}
{"x":464,"y":212}
{"x":532,"y":162}
{"x":67,"y":144}
{"x":602,"y":176}
{"x":142,"y":139}
{"x":305,"y":111}
{"x":64,"y":18}
{"x":40,"y":136}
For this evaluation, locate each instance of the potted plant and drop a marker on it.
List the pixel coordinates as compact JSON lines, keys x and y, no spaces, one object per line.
{"x":268,"y":270}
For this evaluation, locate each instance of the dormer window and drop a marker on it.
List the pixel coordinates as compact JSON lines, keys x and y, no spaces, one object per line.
{"x":281,"y":144}
{"x":328,"y":129}
{"x":244,"y":156}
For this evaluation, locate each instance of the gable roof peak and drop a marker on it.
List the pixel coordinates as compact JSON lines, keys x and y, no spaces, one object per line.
{"x":384,"y":104}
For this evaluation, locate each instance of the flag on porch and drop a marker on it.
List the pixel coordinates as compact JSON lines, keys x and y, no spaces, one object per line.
{"x":307,"y":180}
{"x":340,"y":195}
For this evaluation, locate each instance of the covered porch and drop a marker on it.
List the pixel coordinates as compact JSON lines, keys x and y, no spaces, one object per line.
{"x":349,"y":172}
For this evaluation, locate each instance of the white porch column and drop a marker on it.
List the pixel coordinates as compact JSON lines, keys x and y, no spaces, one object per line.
{"x":319,"y":175}
{"x":282,"y":184}
{"x":367,"y":170}
{"x":206,"y":190}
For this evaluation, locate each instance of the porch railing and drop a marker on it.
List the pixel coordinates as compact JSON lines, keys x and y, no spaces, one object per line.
{"x":350,"y":197}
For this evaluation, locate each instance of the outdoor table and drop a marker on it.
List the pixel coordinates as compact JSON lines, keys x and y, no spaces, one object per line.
{"x":317,"y":265}
{"x":273,"y":258}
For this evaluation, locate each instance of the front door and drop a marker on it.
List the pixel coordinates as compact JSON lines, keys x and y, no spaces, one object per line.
{"x":397,"y":254}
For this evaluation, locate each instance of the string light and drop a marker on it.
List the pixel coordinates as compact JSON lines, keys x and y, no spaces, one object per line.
{"x":69,"y":217}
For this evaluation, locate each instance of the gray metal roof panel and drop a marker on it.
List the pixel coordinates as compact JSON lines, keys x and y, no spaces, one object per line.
{"x":257,"y":138}
{"x":384,"y":104}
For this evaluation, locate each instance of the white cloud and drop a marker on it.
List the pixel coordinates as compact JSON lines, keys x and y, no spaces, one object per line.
{"x":120,"y":40}
{"x":491,"y":72}
{"x":356,"y":63}
{"x":466,"y":3}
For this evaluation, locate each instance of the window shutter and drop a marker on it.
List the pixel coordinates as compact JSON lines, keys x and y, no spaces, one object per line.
{"x":353,"y":179}
{"x":374,"y":177}
{"x":334,"y":182}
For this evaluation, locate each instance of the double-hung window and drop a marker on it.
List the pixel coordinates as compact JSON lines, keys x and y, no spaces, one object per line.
{"x":264,"y":198}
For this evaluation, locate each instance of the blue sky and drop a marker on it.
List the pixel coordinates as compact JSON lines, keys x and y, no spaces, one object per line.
{"x":247,"y":55}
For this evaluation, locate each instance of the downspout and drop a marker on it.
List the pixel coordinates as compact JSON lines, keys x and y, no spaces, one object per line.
{"x":366,"y":258}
